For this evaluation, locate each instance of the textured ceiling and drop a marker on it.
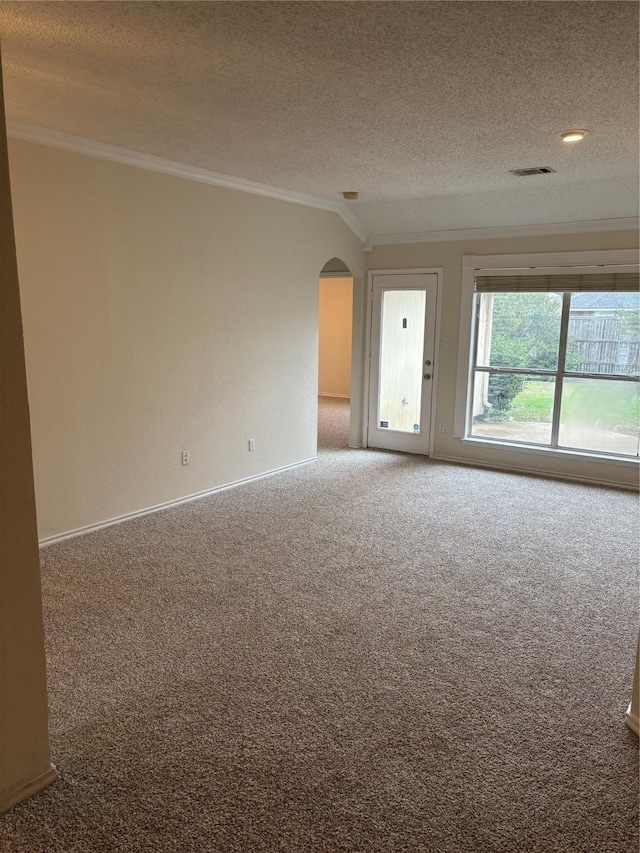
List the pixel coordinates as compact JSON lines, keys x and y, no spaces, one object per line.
{"x":431,"y":102}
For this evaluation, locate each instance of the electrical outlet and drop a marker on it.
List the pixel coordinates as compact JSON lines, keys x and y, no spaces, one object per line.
{"x":442,"y":427}
{"x":252,"y":444}
{"x":186,"y":457}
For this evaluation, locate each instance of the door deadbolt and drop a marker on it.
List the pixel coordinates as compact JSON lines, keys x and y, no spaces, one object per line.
{"x":427,"y":362}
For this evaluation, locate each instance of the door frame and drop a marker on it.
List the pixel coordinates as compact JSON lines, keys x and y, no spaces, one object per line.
{"x":436,"y":367}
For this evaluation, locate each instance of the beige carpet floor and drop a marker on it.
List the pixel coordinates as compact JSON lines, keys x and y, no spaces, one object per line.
{"x":371,"y":654}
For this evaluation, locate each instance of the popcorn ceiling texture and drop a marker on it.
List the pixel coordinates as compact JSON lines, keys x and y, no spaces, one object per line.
{"x":374,"y":654}
{"x":411,"y":100}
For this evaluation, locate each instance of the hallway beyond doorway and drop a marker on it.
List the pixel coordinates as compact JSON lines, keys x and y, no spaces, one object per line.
{"x":333,"y":423}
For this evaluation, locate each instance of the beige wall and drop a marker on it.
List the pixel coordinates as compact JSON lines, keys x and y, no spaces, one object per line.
{"x":24,"y":745}
{"x":163,"y":315}
{"x":449,"y":256}
{"x":335,"y":306}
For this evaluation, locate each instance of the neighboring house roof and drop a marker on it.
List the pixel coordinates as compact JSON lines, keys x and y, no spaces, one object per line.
{"x":601,"y":301}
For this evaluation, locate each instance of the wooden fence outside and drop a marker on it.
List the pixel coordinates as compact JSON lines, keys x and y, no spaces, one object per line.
{"x":604,"y":345}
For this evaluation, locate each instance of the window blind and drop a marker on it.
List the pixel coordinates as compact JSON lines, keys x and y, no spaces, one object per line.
{"x":557,"y":282}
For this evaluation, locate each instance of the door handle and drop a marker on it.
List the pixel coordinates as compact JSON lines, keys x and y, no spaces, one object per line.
{"x":427,"y":376}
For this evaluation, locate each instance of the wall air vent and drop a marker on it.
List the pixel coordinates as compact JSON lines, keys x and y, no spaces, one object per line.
{"x":533,"y":170}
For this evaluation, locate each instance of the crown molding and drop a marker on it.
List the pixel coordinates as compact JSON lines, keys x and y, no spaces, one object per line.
{"x":630,"y":223}
{"x":116,"y":154}
{"x":352,"y":221}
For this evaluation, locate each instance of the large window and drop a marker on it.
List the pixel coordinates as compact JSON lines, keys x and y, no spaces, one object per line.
{"x":556,"y":361}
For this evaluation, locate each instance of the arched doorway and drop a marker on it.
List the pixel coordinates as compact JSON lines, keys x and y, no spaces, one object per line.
{"x":335,"y":321}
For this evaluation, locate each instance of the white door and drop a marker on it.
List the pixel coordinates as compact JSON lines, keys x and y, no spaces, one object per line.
{"x":403,"y":328}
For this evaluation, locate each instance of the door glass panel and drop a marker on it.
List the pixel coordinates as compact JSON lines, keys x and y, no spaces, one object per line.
{"x":600,"y":414}
{"x":401,"y":354}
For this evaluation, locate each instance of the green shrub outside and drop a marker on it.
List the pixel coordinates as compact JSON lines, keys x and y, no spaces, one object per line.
{"x":525,"y":334}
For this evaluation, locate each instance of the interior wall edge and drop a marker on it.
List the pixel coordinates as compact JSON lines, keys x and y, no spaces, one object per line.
{"x":42,"y":781}
{"x":25,"y":758}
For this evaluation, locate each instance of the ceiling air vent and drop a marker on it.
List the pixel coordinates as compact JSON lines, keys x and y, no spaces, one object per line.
{"x":533,"y":170}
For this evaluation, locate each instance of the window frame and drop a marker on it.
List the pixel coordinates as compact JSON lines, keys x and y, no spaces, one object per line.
{"x":526,"y":264}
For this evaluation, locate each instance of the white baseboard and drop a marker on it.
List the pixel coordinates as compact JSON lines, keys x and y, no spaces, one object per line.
{"x":331,"y":394}
{"x":354,"y":446}
{"x":109,"y":522}
{"x":32,"y":787}
{"x":550,"y":475}
{"x":633,"y":721}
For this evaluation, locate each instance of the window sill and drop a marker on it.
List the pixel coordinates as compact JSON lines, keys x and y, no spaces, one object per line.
{"x":552,"y":452}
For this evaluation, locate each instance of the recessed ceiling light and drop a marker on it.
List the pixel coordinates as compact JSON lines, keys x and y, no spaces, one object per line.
{"x":573,"y":135}
{"x":351,"y":195}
